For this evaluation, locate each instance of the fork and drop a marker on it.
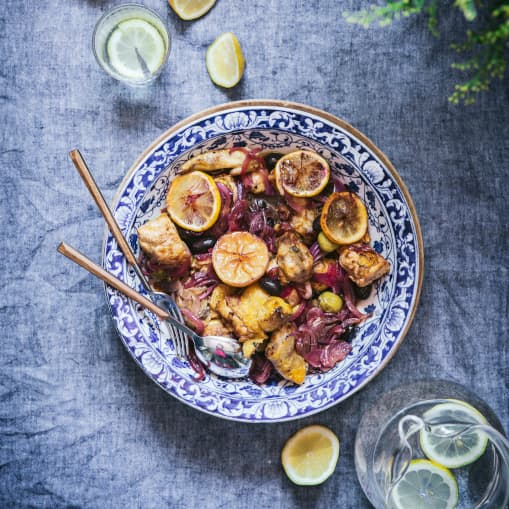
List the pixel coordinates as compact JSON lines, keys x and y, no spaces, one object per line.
{"x":179,"y":339}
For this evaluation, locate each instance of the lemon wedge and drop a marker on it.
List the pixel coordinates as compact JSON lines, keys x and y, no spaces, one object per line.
{"x":310,"y":456}
{"x":225,"y":61}
{"x":191,"y":9}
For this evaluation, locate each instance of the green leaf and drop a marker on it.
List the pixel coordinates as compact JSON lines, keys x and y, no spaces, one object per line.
{"x":468,"y":8}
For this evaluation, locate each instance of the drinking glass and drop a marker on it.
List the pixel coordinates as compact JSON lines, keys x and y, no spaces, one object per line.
{"x":388,"y":439}
{"x":131,"y":43}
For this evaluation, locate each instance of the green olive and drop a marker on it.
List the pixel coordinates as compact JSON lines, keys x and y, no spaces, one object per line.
{"x":325,"y":244}
{"x":330,"y":302}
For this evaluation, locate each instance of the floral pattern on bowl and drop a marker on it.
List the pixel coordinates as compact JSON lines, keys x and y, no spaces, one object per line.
{"x":393,"y":227}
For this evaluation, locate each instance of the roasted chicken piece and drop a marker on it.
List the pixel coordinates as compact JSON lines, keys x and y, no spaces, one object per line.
{"x":224,"y":301}
{"x":274,"y":312}
{"x":321,"y":267}
{"x":251,"y":346}
{"x":215,"y":160}
{"x":258,"y":182}
{"x":252,"y":314}
{"x":293,"y":258}
{"x":302,"y":223}
{"x":215,"y":327}
{"x":281,"y":352}
{"x":363,"y":264}
{"x":160,"y":241}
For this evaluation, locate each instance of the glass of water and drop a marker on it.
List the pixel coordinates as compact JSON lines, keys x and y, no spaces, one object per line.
{"x":131,"y":43}
{"x":432,"y":444}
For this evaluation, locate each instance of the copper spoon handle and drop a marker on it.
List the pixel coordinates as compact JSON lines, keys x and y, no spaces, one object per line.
{"x":96,"y":270}
{"x":87,"y":177}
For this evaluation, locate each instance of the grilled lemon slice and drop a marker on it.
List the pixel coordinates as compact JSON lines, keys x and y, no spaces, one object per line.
{"x":344,"y":218}
{"x":193,"y":201}
{"x":302,"y":173}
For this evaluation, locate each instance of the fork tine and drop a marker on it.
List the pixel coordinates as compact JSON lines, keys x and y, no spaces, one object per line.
{"x":179,"y":338}
{"x":180,"y":341}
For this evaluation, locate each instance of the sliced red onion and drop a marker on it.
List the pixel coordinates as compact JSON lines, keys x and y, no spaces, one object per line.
{"x":195,"y":364}
{"x":294,"y":204}
{"x":339,"y":186}
{"x":300,"y":309}
{"x":193,"y":320}
{"x":207,"y":292}
{"x":333,"y":353}
{"x":305,"y":290}
{"x":286,"y":291}
{"x":236,"y":220}
{"x":261,"y":369}
{"x":313,"y":357}
{"x":201,"y":257}
{"x":273,"y":273}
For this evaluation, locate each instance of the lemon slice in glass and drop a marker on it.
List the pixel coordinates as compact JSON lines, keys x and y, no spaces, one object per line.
{"x":426,"y":485}
{"x":310,"y":456}
{"x":225,"y":61}
{"x":457,"y":451}
{"x":191,"y":9}
{"x":136,"y":49}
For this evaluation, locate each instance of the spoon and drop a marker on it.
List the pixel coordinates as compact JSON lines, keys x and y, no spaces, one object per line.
{"x":161,"y":299}
{"x":220,"y":355}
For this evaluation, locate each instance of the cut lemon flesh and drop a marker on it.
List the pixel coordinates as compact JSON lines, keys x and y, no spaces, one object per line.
{"x":191,"y":9}
{"x":459,"y":450}
{"x":240,"y":258}
{"x":344,"y":218}
{"x":310,"y":456}
{"x":225,"y":61}
{"x":302,"y":173}
{"x":133,"y":44}
{"x":426,"y":485}
{"x":193,"y":201}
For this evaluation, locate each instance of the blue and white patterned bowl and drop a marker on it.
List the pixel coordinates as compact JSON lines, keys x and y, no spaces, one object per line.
{"x":394,"y":230}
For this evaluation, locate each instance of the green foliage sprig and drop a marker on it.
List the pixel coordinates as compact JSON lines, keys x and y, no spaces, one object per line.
{"x":487,"y":46}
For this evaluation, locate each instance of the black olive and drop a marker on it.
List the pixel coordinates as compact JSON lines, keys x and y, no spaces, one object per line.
{"x":361,"y":292}
{"x":203,"y":245}
{"x":271,"y":286}
{"x":349,"y":333}
{"x":316,"y":225}
{"x":271,"y":159}
{"x":188,"y":234}
{"x":271,"y":222}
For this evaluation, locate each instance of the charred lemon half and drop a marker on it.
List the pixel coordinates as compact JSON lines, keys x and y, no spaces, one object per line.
{"x":344,"y":218}
{"x":240,"y":258}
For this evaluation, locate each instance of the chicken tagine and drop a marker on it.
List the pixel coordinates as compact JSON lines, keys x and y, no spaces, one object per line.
{"x":272,"y":250}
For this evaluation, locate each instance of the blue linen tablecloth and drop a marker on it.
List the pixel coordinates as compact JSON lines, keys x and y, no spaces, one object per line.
{"x":80,"y":424}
